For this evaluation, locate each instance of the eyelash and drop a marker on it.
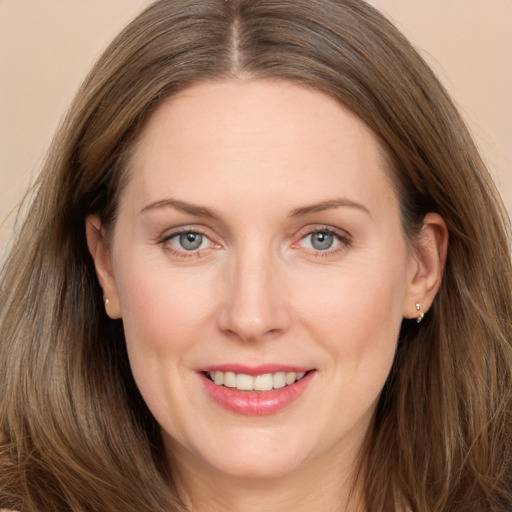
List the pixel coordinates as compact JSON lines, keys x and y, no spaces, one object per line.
{"x":343,"y":238}
{"x":344,"y":241}
{"x":184,"y":254}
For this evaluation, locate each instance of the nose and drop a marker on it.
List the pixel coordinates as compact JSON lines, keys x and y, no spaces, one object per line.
{"x":255,"y":305}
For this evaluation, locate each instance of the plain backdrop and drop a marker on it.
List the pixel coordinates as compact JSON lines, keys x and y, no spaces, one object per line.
{"x":47,"y":47}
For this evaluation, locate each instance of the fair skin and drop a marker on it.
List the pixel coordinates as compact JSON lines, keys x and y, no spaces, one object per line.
{"x":258,"y":227}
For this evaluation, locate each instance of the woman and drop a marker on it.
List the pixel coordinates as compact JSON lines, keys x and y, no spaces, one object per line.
{"x":264,"y":268}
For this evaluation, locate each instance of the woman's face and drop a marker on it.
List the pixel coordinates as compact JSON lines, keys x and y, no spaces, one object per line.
{"x":259,"y":238}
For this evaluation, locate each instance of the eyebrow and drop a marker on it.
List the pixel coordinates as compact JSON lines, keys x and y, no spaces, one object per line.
{"x":327,"y":205}
{"x":198,"y":211}
{"x":201,"y":211}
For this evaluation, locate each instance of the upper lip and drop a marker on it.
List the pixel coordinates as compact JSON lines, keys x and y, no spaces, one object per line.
{"x":260,"y":369}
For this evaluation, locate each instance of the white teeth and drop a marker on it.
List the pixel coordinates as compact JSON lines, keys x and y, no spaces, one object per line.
{"x":230,"y":380}
{"x":279,"y":380}
{"x":265,"y":382}
{"x":290,"y":377}
{"x":244,"y":382}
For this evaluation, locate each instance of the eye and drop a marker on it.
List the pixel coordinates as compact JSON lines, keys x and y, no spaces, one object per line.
{"x":324,"y":240}
{"x":188,"y":241}
{"x":321,"y":240}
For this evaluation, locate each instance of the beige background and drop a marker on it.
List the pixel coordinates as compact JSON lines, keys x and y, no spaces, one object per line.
{"x":47,"y":46}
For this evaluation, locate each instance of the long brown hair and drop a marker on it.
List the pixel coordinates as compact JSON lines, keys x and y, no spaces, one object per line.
{"x":75,"y":433}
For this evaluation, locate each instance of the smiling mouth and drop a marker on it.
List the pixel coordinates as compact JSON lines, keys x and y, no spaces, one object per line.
{"x":264,"y":382}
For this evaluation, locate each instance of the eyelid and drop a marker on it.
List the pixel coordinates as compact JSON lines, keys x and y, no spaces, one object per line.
{"x":343,"y":236}
{"x":172,"y":233}
{"x":319,"y":228}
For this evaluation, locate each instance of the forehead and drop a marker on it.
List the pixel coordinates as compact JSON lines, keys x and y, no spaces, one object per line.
{"x":217,"y":139}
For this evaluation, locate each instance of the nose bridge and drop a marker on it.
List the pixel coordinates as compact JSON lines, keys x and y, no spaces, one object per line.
{"x":255,"y":304}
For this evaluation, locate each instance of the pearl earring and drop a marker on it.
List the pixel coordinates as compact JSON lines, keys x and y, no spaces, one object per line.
{"x":421,"y":315}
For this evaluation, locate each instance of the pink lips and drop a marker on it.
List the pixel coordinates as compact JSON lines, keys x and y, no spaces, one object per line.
{"x":255,"y":403}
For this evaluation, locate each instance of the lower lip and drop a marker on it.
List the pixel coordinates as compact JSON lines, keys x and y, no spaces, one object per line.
{"x":256,"y":403}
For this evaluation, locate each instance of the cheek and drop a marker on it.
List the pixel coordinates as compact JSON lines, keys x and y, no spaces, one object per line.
{"x":357,"y":324}
{"x":163,"y":317}
{"x":163,"y":310}
{"x":356,"y":314}
{"x":359,"y":302}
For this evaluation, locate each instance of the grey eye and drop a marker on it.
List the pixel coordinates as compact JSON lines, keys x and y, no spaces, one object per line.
{"x":190,"y":241}
{"x":321,"y":240}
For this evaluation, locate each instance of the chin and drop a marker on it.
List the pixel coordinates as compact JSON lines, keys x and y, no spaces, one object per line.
{"x":257,"y":455}
{"x":257,"y":468}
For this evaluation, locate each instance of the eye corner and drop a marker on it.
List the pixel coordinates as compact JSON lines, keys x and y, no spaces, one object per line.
{"x":187,"y":242}
{"x":331,"y":241}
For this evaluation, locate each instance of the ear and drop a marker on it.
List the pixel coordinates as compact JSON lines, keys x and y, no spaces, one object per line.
{"x":101,"y":254}
{"x":426,"y":267}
